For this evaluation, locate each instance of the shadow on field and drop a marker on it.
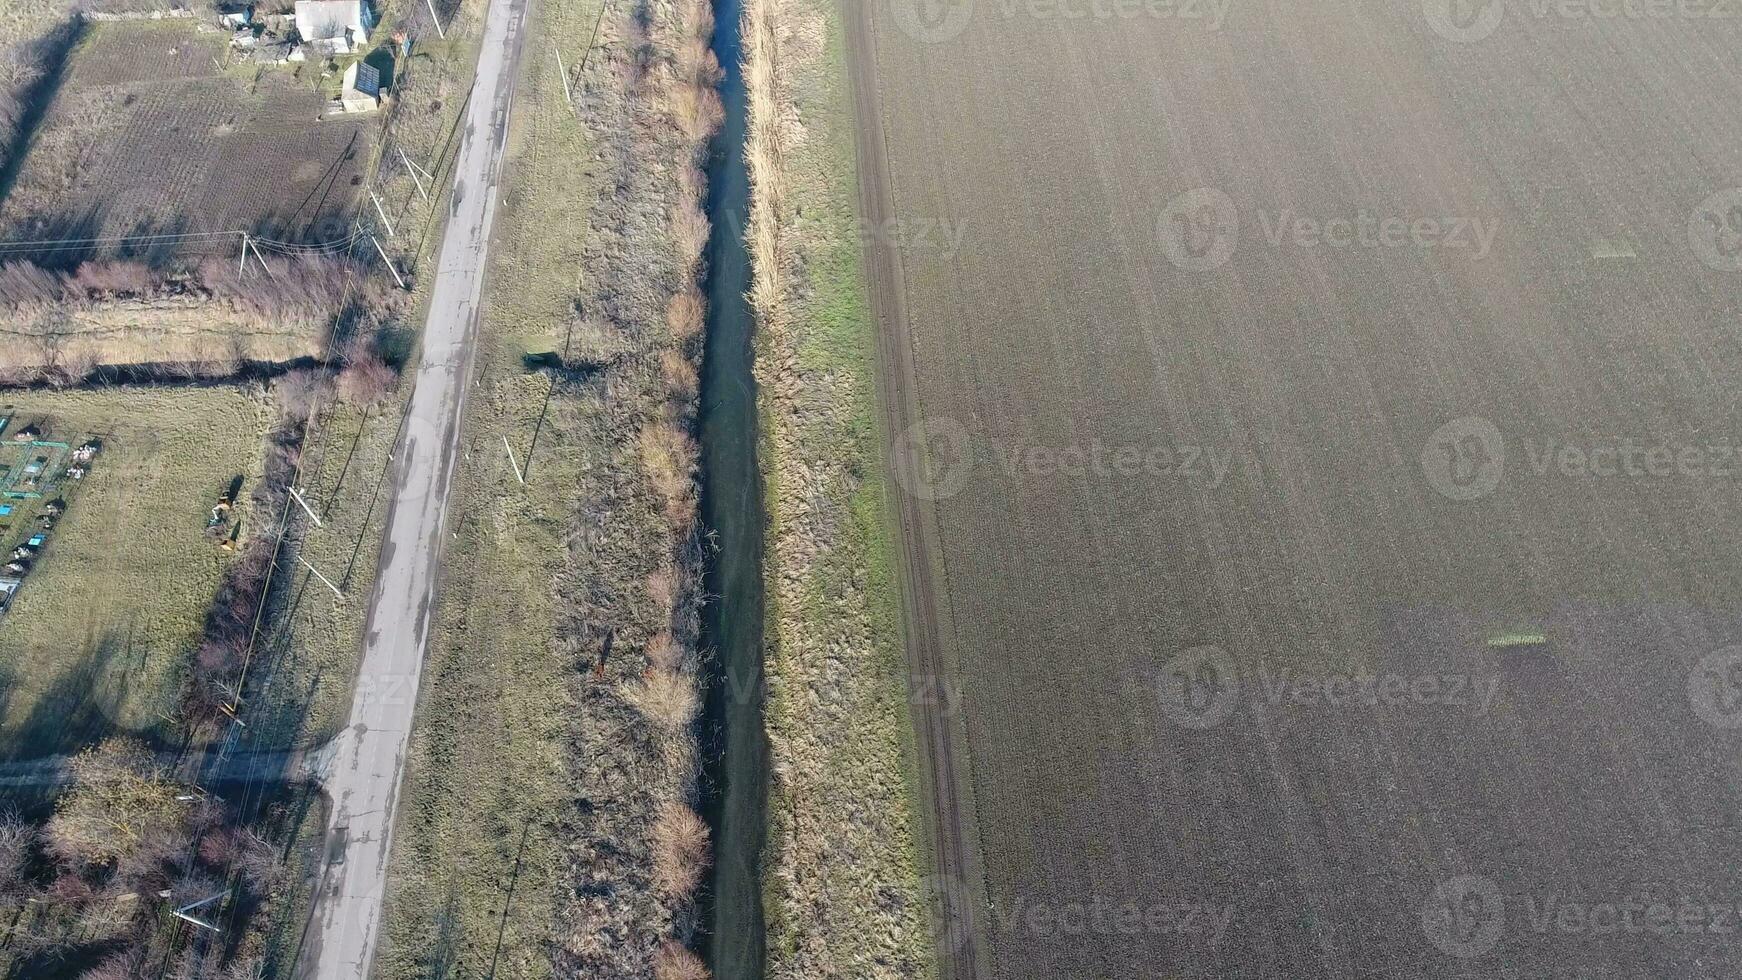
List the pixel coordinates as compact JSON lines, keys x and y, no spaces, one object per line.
{"x":73,"y":712}
{"x":51,"y":53}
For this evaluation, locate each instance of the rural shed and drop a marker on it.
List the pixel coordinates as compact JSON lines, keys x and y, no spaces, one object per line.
{"x":334,"y":26}
{"x":362,"y":91}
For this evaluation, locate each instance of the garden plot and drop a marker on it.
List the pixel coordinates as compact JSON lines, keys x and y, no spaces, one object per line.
{"x":151,"y":133}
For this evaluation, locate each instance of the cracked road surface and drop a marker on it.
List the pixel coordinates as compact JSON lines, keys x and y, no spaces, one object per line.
{"x":362,"y":768}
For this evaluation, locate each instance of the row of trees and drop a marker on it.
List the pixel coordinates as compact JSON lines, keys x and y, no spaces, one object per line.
{"x":297,"y":287}
{"x":362,"y":378}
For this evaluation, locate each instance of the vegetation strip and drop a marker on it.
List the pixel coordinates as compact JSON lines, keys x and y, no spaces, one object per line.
{"x":842,"y":869}
{"x":552,"y":779}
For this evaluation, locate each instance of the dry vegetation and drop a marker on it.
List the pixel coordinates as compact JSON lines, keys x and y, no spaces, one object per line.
{"x":89,"y":891}
{"x":61,"y":326}
{"x":841,"y":878}
{"x":531,"y":728}
{"x":658,"y":86}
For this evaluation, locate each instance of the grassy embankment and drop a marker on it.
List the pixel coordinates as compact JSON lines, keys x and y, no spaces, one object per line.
{"x":842,"y":863}
{"x":486,"y":762}
{"x":524,"y":736}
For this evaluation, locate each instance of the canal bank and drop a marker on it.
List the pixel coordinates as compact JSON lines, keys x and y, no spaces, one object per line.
{"x":844,"y":871}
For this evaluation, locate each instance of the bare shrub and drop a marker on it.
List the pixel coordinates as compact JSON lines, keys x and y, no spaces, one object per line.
{"x":664,"y":652}
{"x":662,"y":589}
{"x":303,"y":392}
{"x":17,"y":837}
{"x":117,"y":966}
{"x":118,"y":278}
{"x":689,"y":236}
{"x":28,"y":286}
{"x":668,"y":456}
{"x":665,"y":698}
{"x":679,"y":376}
{"x":696,"y":109}
{"x":121,"y":803}
{"x":684,"y":315}
{"x":681,"y":850}
{"x":673,"y":962}
{"x":366,"y":381}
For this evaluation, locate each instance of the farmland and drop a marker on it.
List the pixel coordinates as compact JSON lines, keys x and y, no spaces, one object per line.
{"x":231,"y":149}
{"x":1214,"y":574}
{"x":98,"y":635}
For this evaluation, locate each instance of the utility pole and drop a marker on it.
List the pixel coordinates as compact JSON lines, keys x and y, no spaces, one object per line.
{"x":413,"y":169}
{"x":259,"y":258}
{"x":317,"y":574}
{"x":240,"y":266}
{"x":382,"y":213}
{"x":305,"y":507}
{"x":182,"y":913}
{"x":387,"y":260}
{"x":437,"y":19}
{"x":518,"y":475}
{"x":567,"y":95}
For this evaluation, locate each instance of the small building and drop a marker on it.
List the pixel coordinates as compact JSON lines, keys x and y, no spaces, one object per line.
{"x":236,"y":18}
{"x":362,"y":91}
{"x":334,"y":26}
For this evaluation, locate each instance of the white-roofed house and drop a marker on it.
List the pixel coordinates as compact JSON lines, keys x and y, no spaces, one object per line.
{"x":334,"y":26}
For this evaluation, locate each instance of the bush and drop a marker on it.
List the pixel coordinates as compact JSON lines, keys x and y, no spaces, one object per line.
{"x":689,"y":235}
{"x":697,"y":111}
{"x":664,"y":697}
{"x":121,"y":804}
{"x":17,"y":837}
{"x":668,"y":456}
{"x":303,"y":392}
{"x":673,"y":962}
{"x":681,"y":382}
{"x":366,"y":381}
{"x":685,"y":314}
{"x":681,"y":850}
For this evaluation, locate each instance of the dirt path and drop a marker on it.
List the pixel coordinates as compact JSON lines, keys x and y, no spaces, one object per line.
{"x":367,"y":762}
{"x":956,"y":888}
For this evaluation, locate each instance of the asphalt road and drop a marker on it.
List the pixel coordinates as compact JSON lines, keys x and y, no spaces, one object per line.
{"x":1274,"y":358}
{"x":364,"y":766}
